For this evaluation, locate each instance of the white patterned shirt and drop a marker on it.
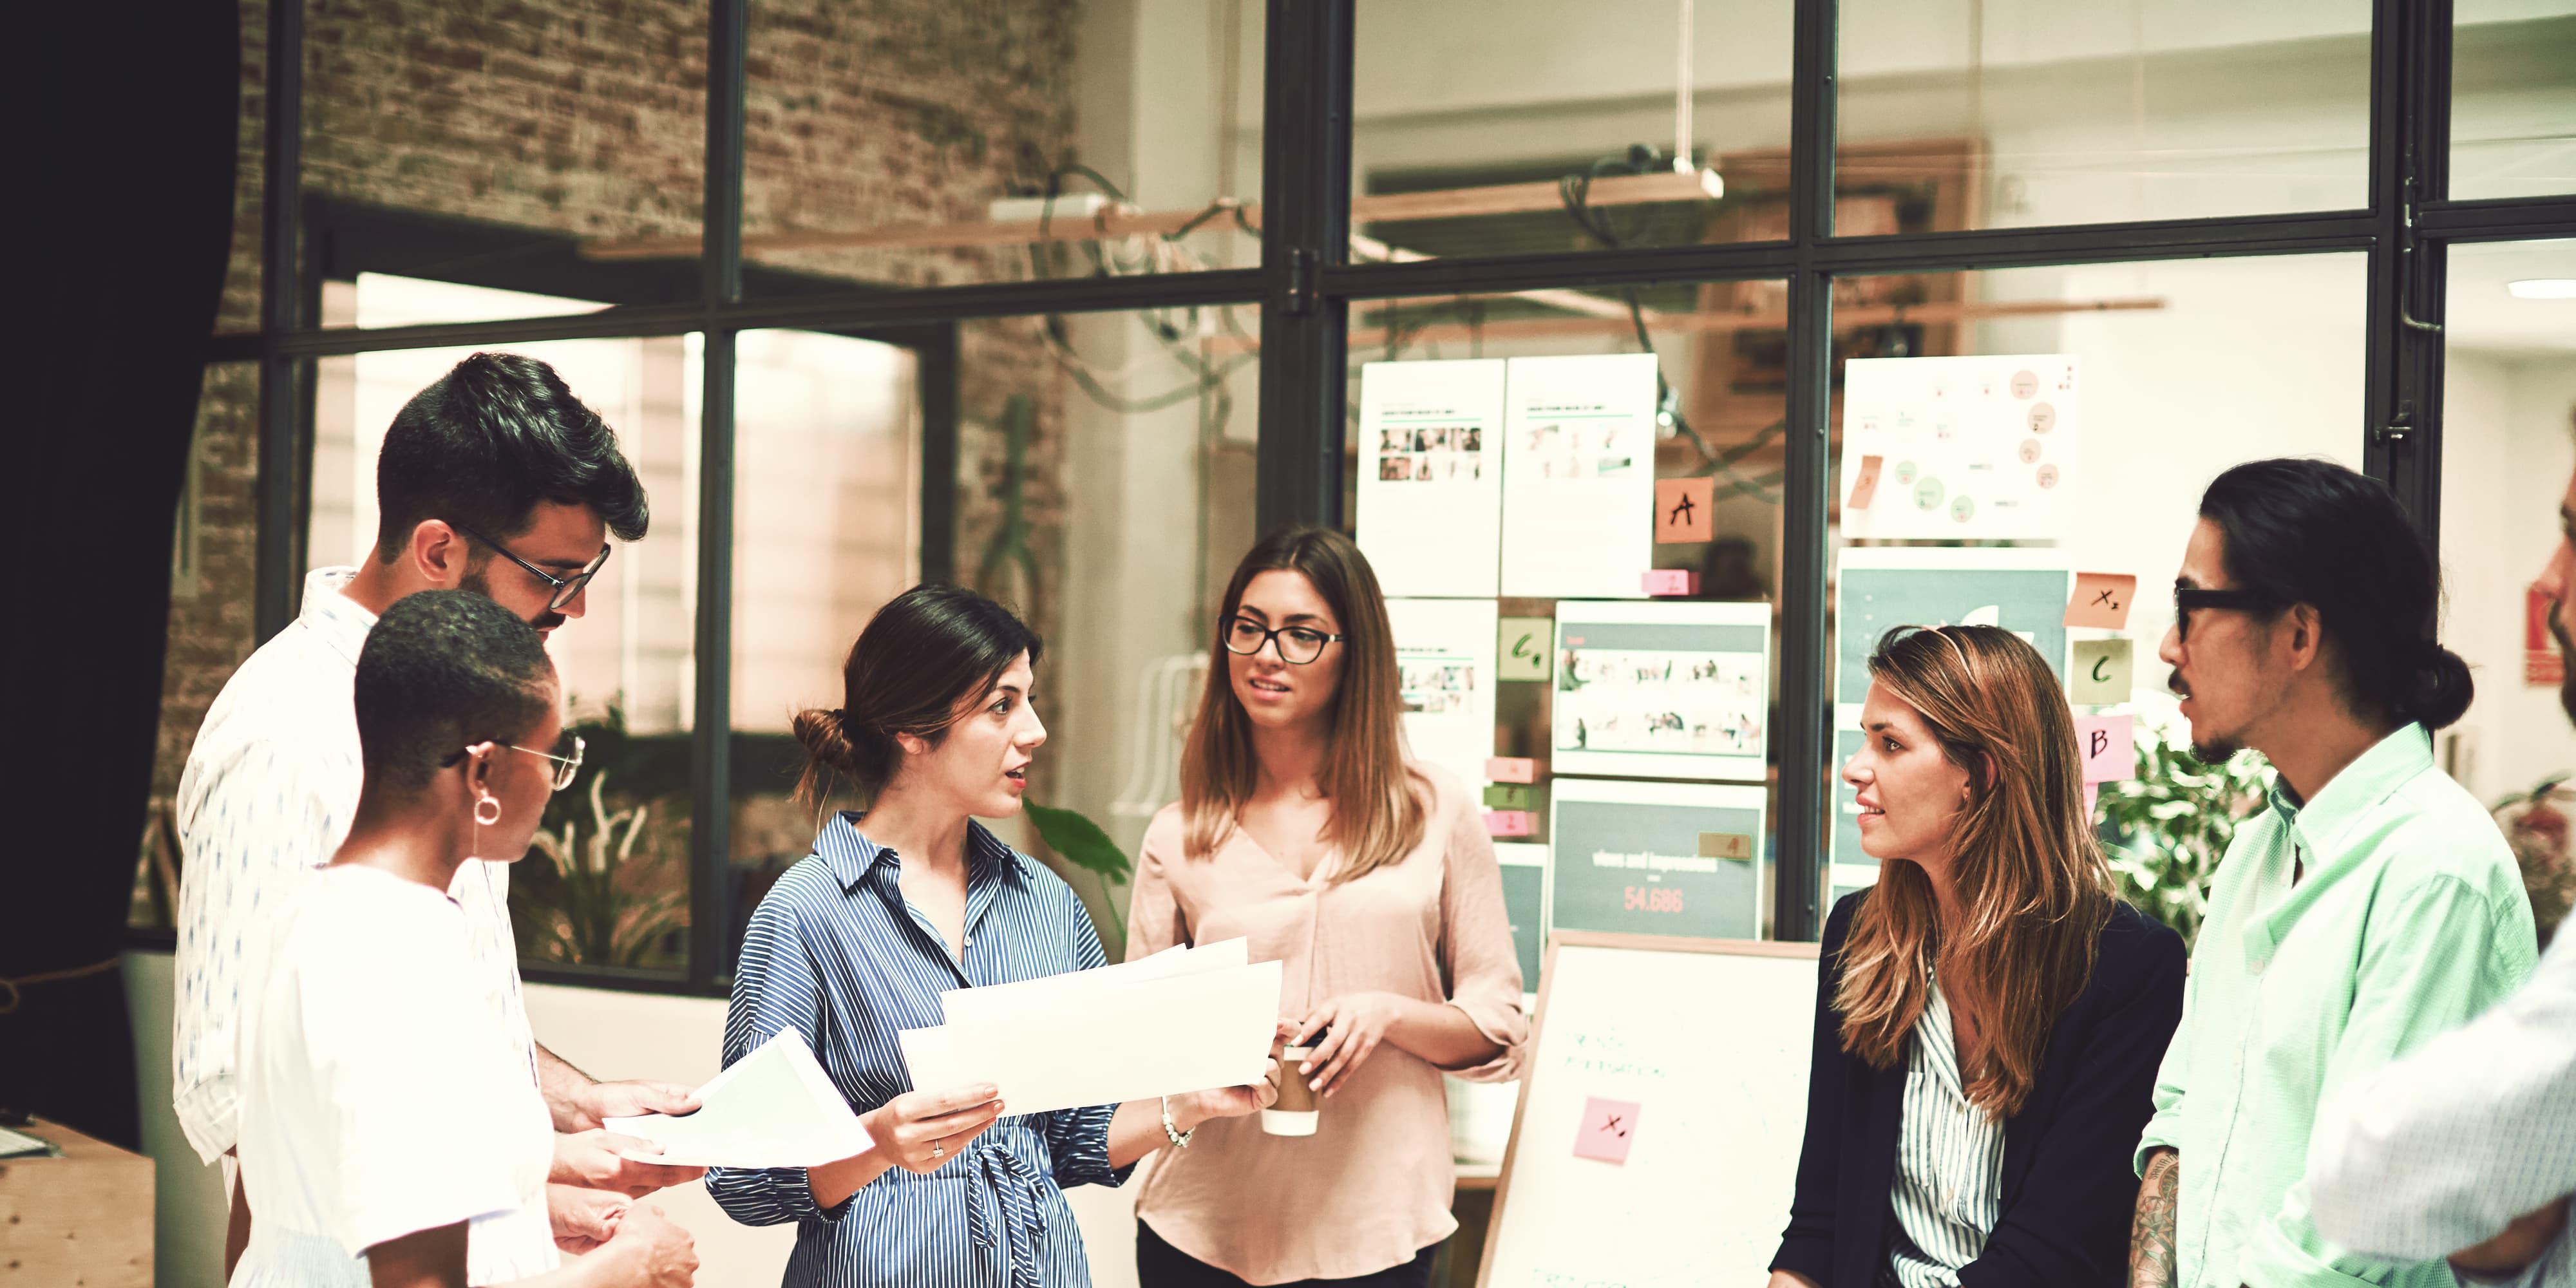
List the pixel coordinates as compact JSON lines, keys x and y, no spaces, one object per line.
{"x":270,"y":788}
{"x":1949,"y":1162}
{"x":2439,"y":1150}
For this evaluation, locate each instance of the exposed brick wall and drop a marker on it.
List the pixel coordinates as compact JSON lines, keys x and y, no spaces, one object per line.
{"x":588,"y":117}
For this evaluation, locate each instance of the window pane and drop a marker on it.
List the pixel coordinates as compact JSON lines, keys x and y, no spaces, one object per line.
{"x":827,"y":502}
{"x":2508,"y":406}
{"x":951,"y":144}
{"x":488,"y":146}
{"x":2513,"y":105}
{"x":2017,"y":113}
{"x":584,"y":895}
{"x":1536,"y":435}
{"x":1519,"y":132}
{"x":2145,"y":381}
{"x":211,"y":586}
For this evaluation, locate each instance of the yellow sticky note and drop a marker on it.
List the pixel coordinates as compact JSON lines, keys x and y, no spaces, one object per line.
{"x":2103,"y":673}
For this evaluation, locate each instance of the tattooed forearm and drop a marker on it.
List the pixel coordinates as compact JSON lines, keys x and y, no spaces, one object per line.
{"x":2151,"y":1231}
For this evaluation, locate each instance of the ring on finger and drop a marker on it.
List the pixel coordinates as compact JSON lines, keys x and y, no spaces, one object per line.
{"x":939,"y":1147}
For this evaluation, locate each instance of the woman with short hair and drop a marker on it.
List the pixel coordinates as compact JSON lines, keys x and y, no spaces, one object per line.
{"x":1304,"y":828}
{"x":1989,"y":1018}
{"x":895,"y":906}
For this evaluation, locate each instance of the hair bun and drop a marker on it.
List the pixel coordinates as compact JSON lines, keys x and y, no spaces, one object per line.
{"x":826,"y":737}
{"x":2442,"y":687}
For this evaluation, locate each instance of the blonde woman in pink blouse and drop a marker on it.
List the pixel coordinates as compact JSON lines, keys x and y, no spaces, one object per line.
{"x":1303,"y":828}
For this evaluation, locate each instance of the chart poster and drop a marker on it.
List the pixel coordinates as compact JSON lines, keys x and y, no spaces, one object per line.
{"x":1444,"y":654}
{"x":1579,"y":476}
{"x":1966,"y":448}
{"x":1524,"y":903}
{"x":1673,"y":689}
{"x":1430,"y":476}
{"x":1880,"y":588}
{"x":1640,"y":858}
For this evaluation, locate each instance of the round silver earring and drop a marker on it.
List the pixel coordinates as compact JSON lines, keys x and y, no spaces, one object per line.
{"x":487,"y":799}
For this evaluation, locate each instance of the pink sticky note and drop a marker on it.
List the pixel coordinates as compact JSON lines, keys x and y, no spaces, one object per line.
{"x":1511,"y":769}
{"x":2101,"y":599}
{"x":1608,"y":1127}
{"x":1672,"y":581}
{"x":2109,"y":746}
{"x":1507,"y":822}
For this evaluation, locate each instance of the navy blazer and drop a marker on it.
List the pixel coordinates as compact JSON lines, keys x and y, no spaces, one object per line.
{"x":2068,"y":1185}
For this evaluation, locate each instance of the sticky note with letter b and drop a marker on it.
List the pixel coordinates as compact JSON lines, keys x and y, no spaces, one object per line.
{"x":2108,"y":746}
{"x":2104,"y":671}
{"x":1608,"y":1127}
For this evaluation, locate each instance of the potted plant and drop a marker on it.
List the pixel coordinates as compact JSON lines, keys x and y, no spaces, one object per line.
{"x":2166,"y":829}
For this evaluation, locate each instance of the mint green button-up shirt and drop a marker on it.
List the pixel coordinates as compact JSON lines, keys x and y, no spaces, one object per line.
{"x":2410,"y":920}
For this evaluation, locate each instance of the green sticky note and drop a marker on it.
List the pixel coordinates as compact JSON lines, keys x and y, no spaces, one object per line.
{"x":1511,"y":796}
{"x":1522,"y":648}
{"x":2103,"y":673}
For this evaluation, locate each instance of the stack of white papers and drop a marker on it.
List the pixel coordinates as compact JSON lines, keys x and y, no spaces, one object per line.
{"x":1184,"y":1020}
{"x":774,"y":1108}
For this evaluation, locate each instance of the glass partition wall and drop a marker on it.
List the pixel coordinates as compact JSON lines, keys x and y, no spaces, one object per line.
{"x":1071,"y":305}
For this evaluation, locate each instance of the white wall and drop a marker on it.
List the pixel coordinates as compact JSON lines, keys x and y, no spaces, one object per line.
{"x":607,"y":1034}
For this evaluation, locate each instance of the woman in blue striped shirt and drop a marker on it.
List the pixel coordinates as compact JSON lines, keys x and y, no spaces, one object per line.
{"x":1988,"y":1017}
{"x":856,"y":942}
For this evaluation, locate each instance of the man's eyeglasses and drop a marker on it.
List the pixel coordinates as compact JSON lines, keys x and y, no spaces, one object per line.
{"x":567,"y":768}
{"x":565,"y":588}
{"x":1298,"y":645}
{"x":2187,"y":599}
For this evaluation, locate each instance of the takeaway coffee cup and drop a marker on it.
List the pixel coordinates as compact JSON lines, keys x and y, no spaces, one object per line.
{"x":1298,"y":1106}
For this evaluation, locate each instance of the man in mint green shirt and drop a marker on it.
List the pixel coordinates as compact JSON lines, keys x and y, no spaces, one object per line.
{"x":2369,"y":907}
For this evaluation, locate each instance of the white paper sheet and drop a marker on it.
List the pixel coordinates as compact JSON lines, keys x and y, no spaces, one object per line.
{"x":1579,"y":476}
{"x":1431,"y":477}
{"x":1120,"y":1041}
{"x":1969,"y":448}
{"x":1000,"y":1003}
{"x":1663,"y":689}
{"x":773,"y":1108}
{"x":1444,"y":652}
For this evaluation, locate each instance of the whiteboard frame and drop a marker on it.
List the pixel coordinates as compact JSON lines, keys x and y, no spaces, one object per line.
{"x":1547,"y":983}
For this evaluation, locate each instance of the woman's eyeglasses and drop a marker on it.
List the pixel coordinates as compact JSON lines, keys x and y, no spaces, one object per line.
{"x":567,"y":768}
{"x":2189,"y":598}
{"x":1298,"y":645}
{"x":565,"y":588}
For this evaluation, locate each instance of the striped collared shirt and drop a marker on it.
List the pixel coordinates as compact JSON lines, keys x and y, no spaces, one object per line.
{"x":1949,"y":1162}
{"x":836,"y":953}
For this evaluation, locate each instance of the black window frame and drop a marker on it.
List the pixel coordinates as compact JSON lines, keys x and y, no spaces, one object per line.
{"x":1304,"y":287}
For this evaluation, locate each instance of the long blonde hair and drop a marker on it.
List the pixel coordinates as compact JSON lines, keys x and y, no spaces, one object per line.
{"x":2031,"y":879}
{"x":1378,"y":813}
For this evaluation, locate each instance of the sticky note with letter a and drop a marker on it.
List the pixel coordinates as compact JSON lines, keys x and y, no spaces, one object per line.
{"x":1607,"y":1130}
{"x":2103,"y":673}
{"x":2108,"y":746}
{"x":1682,"y":510}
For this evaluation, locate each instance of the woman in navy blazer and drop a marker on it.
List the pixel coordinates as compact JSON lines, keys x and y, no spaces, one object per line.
{"x":1989,"y":1019}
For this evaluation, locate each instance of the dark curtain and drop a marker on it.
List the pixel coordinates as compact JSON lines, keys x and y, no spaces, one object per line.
{"x":122,"y":188}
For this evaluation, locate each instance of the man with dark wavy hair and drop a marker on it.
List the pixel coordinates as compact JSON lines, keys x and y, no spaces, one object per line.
{"x":494,"y":479}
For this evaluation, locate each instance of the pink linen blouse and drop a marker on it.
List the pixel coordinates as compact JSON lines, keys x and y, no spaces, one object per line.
{"x":1373,"y":1185}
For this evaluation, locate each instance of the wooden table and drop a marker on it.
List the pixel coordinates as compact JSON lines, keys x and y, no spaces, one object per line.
{"x":83,"y":1220}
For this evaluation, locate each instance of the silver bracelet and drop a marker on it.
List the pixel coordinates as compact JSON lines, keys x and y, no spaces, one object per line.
{"x":1172,"y":1129}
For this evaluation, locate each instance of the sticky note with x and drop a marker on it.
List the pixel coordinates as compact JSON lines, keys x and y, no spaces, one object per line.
{"x":2102,"y":600}
{"x":1608,"y":1128}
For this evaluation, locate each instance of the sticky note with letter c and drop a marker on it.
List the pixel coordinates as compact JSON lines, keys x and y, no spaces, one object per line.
{"x":2104,"y":671}
{"x":1608,"y":1128}
{"x":2108,"y":746}
{"x":1522,"y":648}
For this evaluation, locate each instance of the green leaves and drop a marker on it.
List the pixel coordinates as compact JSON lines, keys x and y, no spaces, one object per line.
{"x":1079,"y":841}
{"x":2169,"y":826}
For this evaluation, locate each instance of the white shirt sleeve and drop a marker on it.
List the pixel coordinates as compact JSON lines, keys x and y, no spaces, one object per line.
{"x":2442,"y":1149}
{"x":428,"y":1110}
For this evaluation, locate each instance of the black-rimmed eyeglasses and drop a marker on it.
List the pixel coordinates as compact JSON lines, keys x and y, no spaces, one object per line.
{"x":1298,"y":645}
{"x":2187,"y":599}
{"x":565,"y":588}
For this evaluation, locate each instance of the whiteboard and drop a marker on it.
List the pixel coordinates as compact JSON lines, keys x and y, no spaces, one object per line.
{"x":1710,"y":1039}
